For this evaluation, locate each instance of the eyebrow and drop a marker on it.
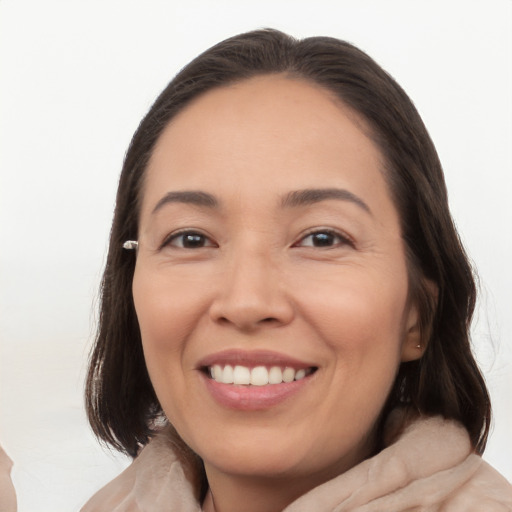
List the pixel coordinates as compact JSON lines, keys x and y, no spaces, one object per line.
{"x":193,"y":197}
{"x":293,"y":199}
{"x":310,"y":196}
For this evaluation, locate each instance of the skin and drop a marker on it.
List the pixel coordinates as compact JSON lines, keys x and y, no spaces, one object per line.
{"x":259,"y":282}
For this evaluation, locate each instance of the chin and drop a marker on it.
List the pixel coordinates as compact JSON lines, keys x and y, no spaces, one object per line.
{"x":257,"y":466}
{"x":256,"y":455}
{"x":259,"y":456}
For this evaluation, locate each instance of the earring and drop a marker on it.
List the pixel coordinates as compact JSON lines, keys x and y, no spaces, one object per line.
{"x":129,"y":245}
{"x":418,"y":345}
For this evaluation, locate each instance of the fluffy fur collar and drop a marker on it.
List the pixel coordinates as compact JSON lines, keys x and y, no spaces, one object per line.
{"x":430,"y":467}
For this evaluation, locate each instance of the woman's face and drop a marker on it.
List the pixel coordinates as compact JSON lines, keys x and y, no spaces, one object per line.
{"x":269,"y":249}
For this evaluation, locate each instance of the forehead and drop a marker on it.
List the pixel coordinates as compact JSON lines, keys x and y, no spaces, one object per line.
{"x":263,"y":135}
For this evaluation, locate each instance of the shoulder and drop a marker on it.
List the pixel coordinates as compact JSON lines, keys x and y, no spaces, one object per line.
{"x":154,"y":482}
{"x":456,"y":479}
{"x":444,"y":472}
{"x":486,"y":490}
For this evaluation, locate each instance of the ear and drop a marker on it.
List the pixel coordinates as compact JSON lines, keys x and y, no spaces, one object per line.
{"x":417,"y":336}
{"x":412,"y":346}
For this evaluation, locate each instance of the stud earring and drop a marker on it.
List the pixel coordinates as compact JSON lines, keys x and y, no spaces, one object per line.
{"x":418,"y":345}
{"x":129,"y":245}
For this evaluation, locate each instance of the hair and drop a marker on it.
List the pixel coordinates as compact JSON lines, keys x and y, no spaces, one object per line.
{"x":122,"y":407}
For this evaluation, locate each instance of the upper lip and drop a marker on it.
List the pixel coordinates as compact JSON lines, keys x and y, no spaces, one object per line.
{"x":253,"y":358}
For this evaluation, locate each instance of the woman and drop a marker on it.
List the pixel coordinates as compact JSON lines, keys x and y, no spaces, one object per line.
{"x":286,"y":302}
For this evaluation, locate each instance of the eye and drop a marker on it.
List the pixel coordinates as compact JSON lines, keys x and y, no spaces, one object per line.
{"x":188,"y":240}
{"x":323,"y":238}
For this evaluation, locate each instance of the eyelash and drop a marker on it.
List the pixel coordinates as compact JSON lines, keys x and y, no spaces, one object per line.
{"x":207,"y":242}
{"x":342,"y":239}
{"x":187,"y":232}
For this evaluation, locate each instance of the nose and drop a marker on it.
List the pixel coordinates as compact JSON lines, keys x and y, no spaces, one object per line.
{"x":252,"y":295}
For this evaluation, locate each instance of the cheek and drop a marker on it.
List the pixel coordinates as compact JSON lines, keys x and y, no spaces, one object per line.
{"x":166,"y":313}
{"x":361,"y":321}
{"x":358,"y":310}
{"x":166,"y":309}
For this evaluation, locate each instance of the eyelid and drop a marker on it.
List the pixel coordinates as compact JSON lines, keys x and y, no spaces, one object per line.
{"x":345,"y":239}
{"x":186,"y":231}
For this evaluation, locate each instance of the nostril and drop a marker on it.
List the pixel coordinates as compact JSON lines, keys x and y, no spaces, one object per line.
{"x":250,"y":311}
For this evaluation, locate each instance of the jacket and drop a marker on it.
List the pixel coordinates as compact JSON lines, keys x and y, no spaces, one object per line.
{"x":431,"y":467}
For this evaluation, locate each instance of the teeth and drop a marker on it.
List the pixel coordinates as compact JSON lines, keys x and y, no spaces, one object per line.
{"x":288,"y":375}
{"x":228,"y":375}
{"x":216,"y":372}
{"x":300,"y":374}
{"x":275,"y":375}
{"x":257,"y":376}
{"x":241,"y":375}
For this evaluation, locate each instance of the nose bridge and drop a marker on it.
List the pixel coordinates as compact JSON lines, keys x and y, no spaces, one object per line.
{"x":251,"y":291}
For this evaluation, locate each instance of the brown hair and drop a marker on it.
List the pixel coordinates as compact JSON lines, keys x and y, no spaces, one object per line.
{"x":121,"y":403}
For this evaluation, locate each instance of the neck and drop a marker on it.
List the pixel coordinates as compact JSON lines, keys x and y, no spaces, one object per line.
{"x":228,"y":492}
{"x":227,"y":495}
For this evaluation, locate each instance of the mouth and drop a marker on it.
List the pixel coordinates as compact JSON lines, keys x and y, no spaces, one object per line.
{"x":254,"y":379}
{"x":261,"y":375}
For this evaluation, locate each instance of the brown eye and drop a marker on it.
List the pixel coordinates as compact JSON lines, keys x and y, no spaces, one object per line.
{"x":189,"y":240}
{"x":322,"y":238}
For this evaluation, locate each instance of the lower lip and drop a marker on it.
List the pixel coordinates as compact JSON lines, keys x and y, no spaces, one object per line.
{"x":253,"y":398}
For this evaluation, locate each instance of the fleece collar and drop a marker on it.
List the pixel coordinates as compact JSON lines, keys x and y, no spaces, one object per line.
{"x":431,"y":467}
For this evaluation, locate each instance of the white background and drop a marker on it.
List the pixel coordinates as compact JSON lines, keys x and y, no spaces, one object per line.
{"x":77,"y":77}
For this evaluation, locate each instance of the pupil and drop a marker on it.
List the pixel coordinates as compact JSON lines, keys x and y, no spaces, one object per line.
{"x":192,"y":241}
{"x":322,"y":239}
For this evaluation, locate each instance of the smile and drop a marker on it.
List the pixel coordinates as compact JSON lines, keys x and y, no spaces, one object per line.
{"x":256,"y":376}
{"x":254,"y":380}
